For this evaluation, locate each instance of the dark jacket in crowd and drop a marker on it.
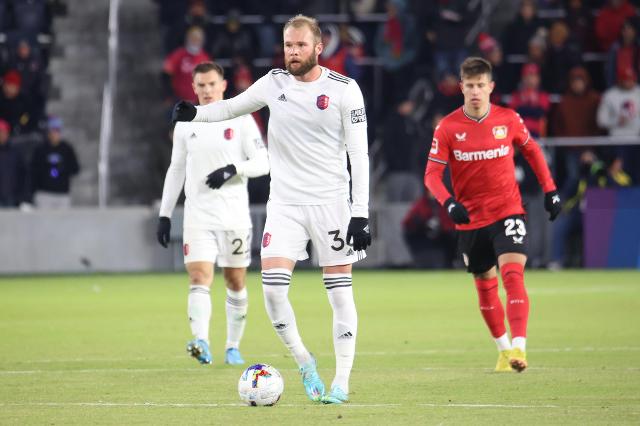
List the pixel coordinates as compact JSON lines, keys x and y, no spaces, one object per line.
{"x":13,"y":176}
{"x":52,"y":167}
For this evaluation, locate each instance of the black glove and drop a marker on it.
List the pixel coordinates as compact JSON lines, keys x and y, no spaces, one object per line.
{"x":164,"y":230}
{"x":358,"y":230}
{"x":217,"y":178}
{"x":456,"y":211}
{"x":183,"y":111}
{"x":552,"y":204}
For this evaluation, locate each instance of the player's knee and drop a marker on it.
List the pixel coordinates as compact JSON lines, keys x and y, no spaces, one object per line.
{"x":512,"y":272}
{"x":200,"y":277}
{"x":234,"y":283}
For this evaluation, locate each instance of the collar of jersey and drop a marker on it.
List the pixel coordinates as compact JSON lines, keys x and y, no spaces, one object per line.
{"x":323,"y":74}
{"x":477,"y":120}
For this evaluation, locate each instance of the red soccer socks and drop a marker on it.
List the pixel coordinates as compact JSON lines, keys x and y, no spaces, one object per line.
{"x":517,"y":299}
{"x":490,"y":306}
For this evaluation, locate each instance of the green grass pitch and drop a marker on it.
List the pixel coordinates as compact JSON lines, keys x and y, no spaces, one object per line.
{"x":110,"y":349}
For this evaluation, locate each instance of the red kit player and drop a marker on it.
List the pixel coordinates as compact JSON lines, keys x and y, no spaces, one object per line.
{"x":477,"y":141}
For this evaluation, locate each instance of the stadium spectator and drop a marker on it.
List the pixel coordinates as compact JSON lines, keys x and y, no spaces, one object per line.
{"x":15,"y":107}
{"x":624,"y":53}
{"x":396,"y":46}
{"x":537,"y":49}
{"x":342,"y":50}
{"x":576,"y":112}
{"x":517,"y":34}
{"x":197,"y":16}
{"x":13,"y":172}
{"x":234,"y":39}
{"x":579,"y":18}
{"x":429,"y":233}
{"x":575,"y":116}
{"x":452,"y":25}
{"x":491,"y":50}
{"x":562,"y":54}
{"x":28,"y":63}
{"x":179,"y":65}
{"x":530,"y":102}
{"x":53,"y":165}
{"x":609,"y":22}
{"x":619,"y":113}
{"x":401,"y":148}
{"x":31,"y":16}
{"x":169,"y":14}
{"x":447,"y":96}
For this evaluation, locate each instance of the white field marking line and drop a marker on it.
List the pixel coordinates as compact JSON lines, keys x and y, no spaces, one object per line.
{"x":197,"y":371}
{"x":486,"y":405}
{"x":329,"y":354}
{"x":172,"y":405}
{"x":453,"y":367}
{"x":583,"y":290}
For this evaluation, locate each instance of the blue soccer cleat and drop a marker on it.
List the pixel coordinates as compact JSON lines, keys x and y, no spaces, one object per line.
{"x":199,"y":349}
{"x":232,"y":356}
{"x":336,"y":396}
{"x":313,"y":385}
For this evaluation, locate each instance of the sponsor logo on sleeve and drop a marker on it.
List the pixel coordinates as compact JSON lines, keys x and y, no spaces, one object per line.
{"x":358,"y":115}
{"x":434,"y":146}
{"x":228,"y":134}
{"x":185,"y":249}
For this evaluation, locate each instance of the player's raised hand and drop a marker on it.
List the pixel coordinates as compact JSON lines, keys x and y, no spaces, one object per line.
{"x":217,"y":178}
{"x":456,"y":211}
{"x":358,"y":231}
{"x":552,"y":204}
{"x":164,"y":231}
{"x":183,"y":111}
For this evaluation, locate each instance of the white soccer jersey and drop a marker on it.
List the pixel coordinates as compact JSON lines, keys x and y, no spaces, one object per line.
{"x":201,"y":148}
{"x":312,"y":125}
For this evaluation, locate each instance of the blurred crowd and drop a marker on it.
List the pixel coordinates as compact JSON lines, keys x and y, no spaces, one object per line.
{"x":569,"y":67}
{"x":30,"y":174}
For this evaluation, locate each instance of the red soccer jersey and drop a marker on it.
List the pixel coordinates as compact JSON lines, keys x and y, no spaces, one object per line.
{"x":480,"y":156}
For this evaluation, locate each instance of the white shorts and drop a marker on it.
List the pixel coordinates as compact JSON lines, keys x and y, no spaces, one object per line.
{"x":231,"y":249}
{"x":289,"y":228}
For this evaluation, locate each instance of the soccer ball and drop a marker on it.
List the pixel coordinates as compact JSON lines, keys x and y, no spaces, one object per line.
{"x":260,"y":384}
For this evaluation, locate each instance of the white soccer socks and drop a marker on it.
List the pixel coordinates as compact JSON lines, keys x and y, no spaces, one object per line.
{"x":345,"y":325}
{"x":236,"y":308}
{"x":275,"y":286}
{"x":199,"y":310}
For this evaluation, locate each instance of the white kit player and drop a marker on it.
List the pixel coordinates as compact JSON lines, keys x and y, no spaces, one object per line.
{"x":213,"y":162}
{"x":317,"y":116}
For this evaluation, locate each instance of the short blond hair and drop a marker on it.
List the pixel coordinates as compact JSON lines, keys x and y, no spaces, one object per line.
{"x":302,"y":20}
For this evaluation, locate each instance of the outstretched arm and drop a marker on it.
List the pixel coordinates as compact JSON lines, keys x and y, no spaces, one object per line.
{"x":246,"y":102}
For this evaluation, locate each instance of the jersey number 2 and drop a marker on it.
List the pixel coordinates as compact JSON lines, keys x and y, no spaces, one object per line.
{"x":237,"y":246}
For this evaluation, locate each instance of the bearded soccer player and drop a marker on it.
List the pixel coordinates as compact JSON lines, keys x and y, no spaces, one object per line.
{"x":213,"y":161}
{"x":477,"y":143}
{"x":317,"y":117}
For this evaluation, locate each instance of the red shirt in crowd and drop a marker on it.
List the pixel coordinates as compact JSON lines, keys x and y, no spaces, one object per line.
{"x":179,"y":65}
